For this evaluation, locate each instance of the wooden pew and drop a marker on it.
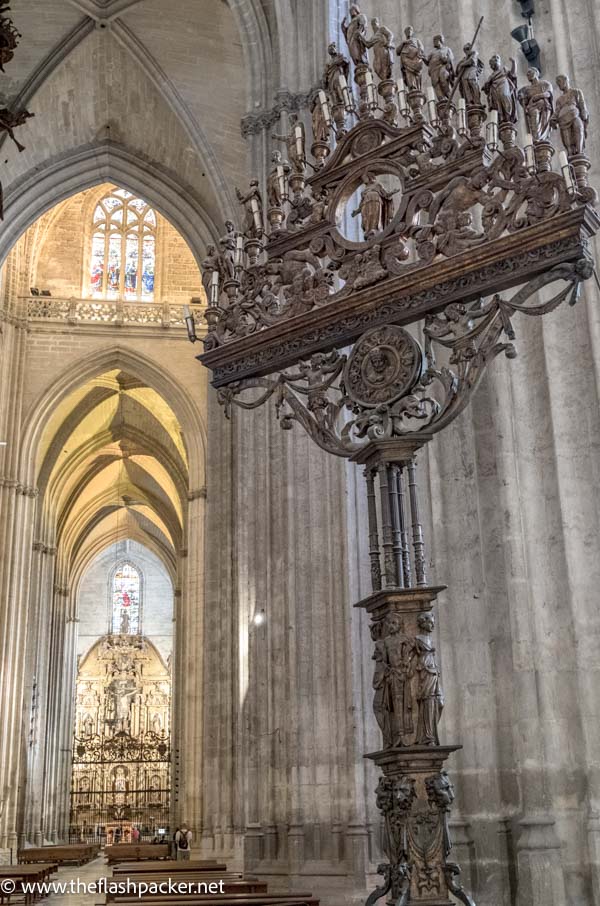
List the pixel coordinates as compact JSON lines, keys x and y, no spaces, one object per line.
{"x":134,"y":852}
{"x":30,"y":873}
{"x":259,"y":899}
{"x":166,"y":865}
{"x":74,"y":853}
{"x":229,"y":886}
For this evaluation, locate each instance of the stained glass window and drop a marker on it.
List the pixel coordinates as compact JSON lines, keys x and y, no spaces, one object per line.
{"x":123,"y":248}
{"x":126,"y":600}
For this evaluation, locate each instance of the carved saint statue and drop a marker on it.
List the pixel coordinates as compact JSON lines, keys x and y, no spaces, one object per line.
{"x":468,"y":72}
{"x":252,"y":202}
{"x":571,"y":116}
{"x":213,"y":262}
{"x":382,"y":715}
{"x":274,"y":187}
{"x":430,"y":699}
{"x":228,"y":246}
{"x":440,"y":63}
{"x":336,"y":75}
{"x":321,"y":128}
{"x":376,"y":207}
{"x":88,"y":725}
{"x":398,"y":648}
{"x":295,"y":141}
{"x":501,"y":90}
{"x":537,"y":100}
{"x":354,"y":32}
{"x":412,"y":58}
{"x":384,"y":50}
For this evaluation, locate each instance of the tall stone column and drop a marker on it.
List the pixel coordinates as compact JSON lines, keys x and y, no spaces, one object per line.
{"x":188,"y":741}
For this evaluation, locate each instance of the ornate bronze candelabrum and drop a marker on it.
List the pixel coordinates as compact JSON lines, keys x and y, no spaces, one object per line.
{"x":375,"y":343}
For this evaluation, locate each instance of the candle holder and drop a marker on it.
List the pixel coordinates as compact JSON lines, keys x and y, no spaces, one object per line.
{"x":320,"y":151}
{"x":416,"y":103}
{"x":253,"y":248}
{"x":275,"y":218}
{"x":508,"y":135}
{"x":581,"y":166}
{"x":544,"y":152}
{"x":476,"y":116}
{"x":297,"y":185}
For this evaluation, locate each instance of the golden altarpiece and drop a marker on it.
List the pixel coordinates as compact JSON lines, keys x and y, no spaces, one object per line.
{"x":121,"y":752}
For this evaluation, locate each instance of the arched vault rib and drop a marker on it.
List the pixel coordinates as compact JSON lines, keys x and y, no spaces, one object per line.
{"x":65,"y":175}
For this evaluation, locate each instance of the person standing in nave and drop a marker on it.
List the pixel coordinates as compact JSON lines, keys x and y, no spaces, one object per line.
{"x":183,"y":842}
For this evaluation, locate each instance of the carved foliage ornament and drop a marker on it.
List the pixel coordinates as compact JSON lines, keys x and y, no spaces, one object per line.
{"x":391,"y":385}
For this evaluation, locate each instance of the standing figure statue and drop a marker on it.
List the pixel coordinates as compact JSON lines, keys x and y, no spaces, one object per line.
{"x":571,"y":117}
{"x":228,"y":245}
{"x":252,"y":202}
{"x":468,"y":72}
{"x":213,"y":262}
{"x":430,"y":699}
{"x":295,"y":141}
{"x":380,"y":673}
{"x":384,"y":49}
{"x":376,"y":207}
{"x":412,"y":58}
{"x":440,"y":63}
{"x":537,"y":100}
{"x":398,"y":649}
{"x":355,"y":33}
{"x":321,"y":128}
{"x":501,"y":90}
{"x":274,"y":183}
{"x":335,"y":77}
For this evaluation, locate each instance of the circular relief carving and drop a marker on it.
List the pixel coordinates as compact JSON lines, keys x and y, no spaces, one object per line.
{"x":384,"y":366}
{"x":365,"y":142}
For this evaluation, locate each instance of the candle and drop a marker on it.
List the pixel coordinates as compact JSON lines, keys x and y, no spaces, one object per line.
{"x":281,"y":182}
{"x":214,"y":288}
{"x":491,"y":136}
{"x":530,"y":153}
{"x":186,"y":312}
{"x":371,"y":95}
{"x":256,"y":213}
{"x":325,"y":107}
{"x":239,"y":251}
{"x":565,"y":167}
{"x":299,"y":140}
{"x":462,"y":117}
{"x":402,"y":102}
{"x":345,"y":92}
{"x":432,"y":107}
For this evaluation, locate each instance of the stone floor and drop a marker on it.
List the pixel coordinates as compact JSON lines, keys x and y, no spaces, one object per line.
{"x":93,"y":871}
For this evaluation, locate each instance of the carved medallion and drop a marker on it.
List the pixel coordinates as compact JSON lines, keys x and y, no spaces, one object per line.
{"x":385,"y":365}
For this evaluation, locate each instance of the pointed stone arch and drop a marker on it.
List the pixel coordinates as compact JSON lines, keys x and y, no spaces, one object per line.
{"x":91,"y":165}
{"x":91,"y":366}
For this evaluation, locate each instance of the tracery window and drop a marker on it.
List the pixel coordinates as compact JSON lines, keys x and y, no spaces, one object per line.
{"x":126,"y":600}
{"x":123,"y":248}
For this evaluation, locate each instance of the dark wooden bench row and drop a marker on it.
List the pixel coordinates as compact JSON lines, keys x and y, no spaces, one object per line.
{"x":74,"y":853}
{"x":32,"y":874}
{"x":213,"y":888}
{"x":134,"y":852}
{"x":169,"y":865}
{"x":259,"y":899}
